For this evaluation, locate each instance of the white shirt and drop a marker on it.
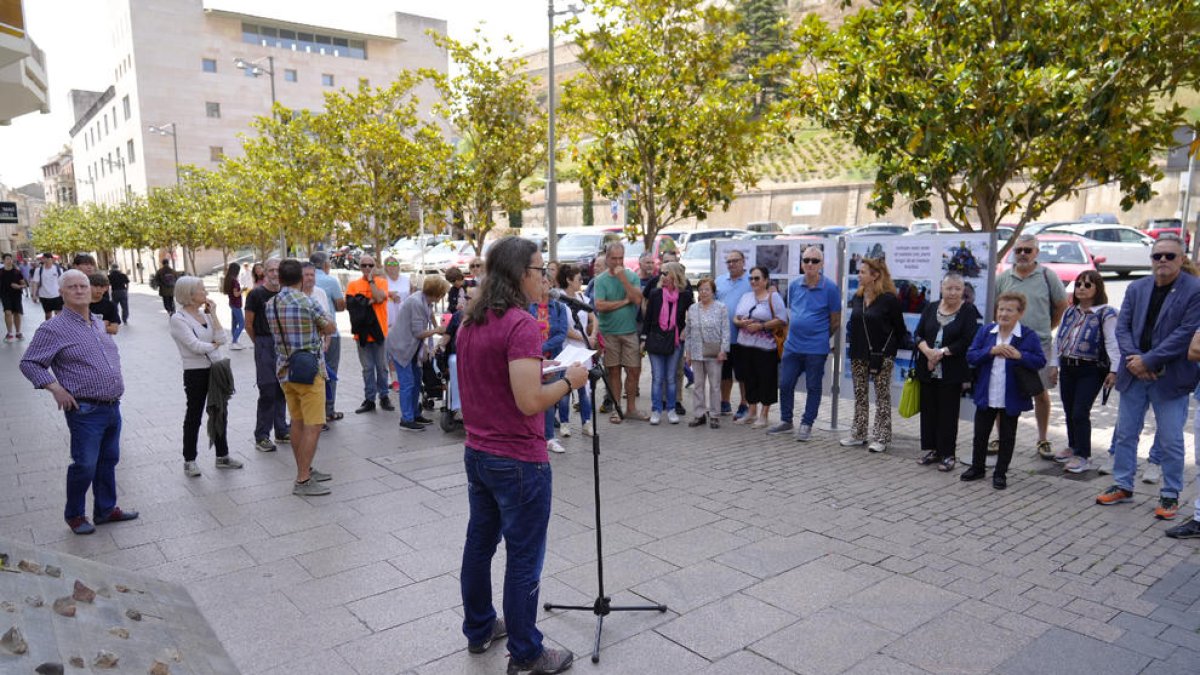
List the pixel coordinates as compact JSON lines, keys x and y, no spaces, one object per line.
{"x":246,"y":279}
{"x":583,"y":320}
{"x":996,"y":385}
{"x":322,"y":298}
{"x":401,"y":285}
{"x":47,"y":281}
{"x":194,"y":340}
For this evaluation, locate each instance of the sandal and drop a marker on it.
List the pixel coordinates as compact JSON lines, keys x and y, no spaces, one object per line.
{"x":714,"y":423}
{"x":640,"y":415}
{"x":336,"y":416}
{"x":614,"y":419}
{"x":928,"y":458}
{"x":947,"y":464}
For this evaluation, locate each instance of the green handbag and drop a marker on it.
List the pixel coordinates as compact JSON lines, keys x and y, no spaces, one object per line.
{"x":910,"y":395}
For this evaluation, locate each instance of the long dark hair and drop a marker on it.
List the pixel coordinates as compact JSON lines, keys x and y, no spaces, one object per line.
{"x":231,"y":275}
{"x":1100,"y":298}
{"x":507,"y":262}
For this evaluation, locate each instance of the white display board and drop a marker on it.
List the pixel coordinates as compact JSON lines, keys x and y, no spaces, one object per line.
{"x":781,"y":257}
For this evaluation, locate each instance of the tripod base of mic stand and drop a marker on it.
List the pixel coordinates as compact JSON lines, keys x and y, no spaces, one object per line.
{"x":602,"y":608}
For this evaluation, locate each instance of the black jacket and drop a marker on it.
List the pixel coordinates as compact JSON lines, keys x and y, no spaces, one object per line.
{"x":884,"y":329}
{"x":956,"y":336}
{"x":363,"y":322}
{"x":651,"y":333}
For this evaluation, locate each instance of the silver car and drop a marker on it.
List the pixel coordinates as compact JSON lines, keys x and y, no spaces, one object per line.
{"x":1124,"y":249}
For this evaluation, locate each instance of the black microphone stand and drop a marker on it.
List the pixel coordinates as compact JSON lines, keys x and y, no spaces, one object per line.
{"x":602,"y":606}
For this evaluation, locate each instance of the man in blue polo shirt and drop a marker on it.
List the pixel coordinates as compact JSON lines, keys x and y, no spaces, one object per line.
{"x":731,"y":286}
{"x":816,"y":313}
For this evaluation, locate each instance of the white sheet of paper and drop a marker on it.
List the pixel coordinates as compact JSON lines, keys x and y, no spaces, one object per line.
{"x":571,"y":354}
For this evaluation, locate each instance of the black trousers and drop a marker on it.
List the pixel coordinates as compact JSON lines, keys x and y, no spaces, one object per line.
{"x":195,"y":385}
{"x":985,"y":420}
{"x":169,"y":302}
{"x":939,"y":416}
{"x":1079,"y":386}
{"x":761,"y":372}
{"x":121,"y":298}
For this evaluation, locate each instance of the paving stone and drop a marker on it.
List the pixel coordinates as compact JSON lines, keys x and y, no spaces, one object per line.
{"x":884,"y":665}
{"x":621,"y":571}
{"x":829,"y":641}
{"x":899,"y":604}
{"x":807,"y":589}
{"x":1145,"y":644}
{"x":1182,"y":662}
{"x":773,"y":556}
{"x":691,"y":587}
{"x":1184,"y":638}
{"x":726,"y":626}
{"x":743,"y":662}
{"x":345,"y":587}
{"x":407,"y":646}
{"x":408,"y":603}
{"x":648,"y":654}
{"x":956,"y":643}
{"x":687,"y":548}
{"x":1065,"y":653}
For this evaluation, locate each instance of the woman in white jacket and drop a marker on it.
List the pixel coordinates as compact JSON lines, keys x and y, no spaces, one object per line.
{"x":198,"y":334}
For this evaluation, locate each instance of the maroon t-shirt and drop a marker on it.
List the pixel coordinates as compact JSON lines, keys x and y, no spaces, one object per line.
{"x":493,"y":421}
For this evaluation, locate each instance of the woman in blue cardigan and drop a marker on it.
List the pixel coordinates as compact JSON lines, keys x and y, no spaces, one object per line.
{"x":553,"y":318}
{"x":998,"y":350}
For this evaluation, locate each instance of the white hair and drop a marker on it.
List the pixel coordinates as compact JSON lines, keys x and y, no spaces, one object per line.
{"x":185,"y":289}
{"x":71,"y":274}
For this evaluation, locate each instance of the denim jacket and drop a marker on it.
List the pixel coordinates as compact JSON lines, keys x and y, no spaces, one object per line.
{"x":559,"y":322}
{"x":1090,"y":343}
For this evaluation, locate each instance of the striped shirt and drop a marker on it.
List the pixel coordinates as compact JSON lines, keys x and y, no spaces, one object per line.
{"x":83,"y":357}
{"x":295,"y":321}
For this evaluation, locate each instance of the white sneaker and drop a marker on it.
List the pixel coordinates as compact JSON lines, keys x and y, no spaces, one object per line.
{"x":804,"y":432}
{"x":1105,"y":468}
{"x":672,"y":417}
{"x":228,"y":463}
{"x":191,"y":469}
{"x":876,"y":446}
{"x":554,"y":446}
{"x":564,"y":430}
{"x":1152,"y":473}
{"x":851,"y":442}
{"x":237,"y":346}
{"x":655,"y":418}
{"x":760,"y":423}
{"x":587,"y":430}
{"x":744,"y":420}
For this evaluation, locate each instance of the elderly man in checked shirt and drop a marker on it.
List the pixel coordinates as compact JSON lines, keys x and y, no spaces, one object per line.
{"x":76,"y":360}
{"x":298,"y":323}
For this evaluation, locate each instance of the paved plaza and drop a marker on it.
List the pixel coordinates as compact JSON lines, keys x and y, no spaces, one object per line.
{"x":773,"y":556}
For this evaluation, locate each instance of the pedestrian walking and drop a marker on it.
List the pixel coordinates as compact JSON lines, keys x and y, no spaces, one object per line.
{"x":707,"y":350}
{"x":1084,"y":360}
{"x":207,"y":376}
{"x":45,"y":284}
{"x":231,"y":286}
{"x":1046,"y":300}
{"x":271,"y":412}
{"x":12,"y":298}
{"x":944,"y":334}
{"x":119,"y":283}
{"x":297,"y":325}
{"x":814,"y":315}
{"x":1156,"y":324}
{"x":877,"y":330}
{"x":759,"y":313}
{"x":164,"y":282}
{"x":73,"y":358}
{"x":509,"y":485}
{"x":999,"y":352}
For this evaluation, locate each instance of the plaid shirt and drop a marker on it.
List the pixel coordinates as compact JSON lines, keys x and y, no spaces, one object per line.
{"x":300,"y":318}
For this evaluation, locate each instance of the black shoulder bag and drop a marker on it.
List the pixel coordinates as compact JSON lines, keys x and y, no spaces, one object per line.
{"x":302,"y":365}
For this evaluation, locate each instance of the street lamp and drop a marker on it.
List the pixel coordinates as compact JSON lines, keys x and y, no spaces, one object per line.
{"x":256,"y":69}
{"x":161,"y":130}
{"x":89,"y":181}
{"x":551,"y":186}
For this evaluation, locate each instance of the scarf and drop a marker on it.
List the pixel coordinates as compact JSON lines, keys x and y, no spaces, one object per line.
{"x":666,"y":313}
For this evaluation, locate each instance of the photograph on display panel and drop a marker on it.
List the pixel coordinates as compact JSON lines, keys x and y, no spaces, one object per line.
{"x":774,"y":257}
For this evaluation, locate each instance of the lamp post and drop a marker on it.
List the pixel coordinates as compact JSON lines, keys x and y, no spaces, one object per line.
{"x":91,"y":182}
{"x":161,"y":130}
{"x":551,"y":185}
{"x":256,"y":69}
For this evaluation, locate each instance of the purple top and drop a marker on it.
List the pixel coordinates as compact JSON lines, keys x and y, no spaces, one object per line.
{"x":82,"y":355}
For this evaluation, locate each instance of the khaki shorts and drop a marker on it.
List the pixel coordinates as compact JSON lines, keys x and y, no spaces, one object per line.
{"x":306,"y":402}
{"x":1044,"y":372}
{"x":622,"y":350}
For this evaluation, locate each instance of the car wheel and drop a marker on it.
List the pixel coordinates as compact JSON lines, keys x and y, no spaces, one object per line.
{"x":1124,"y":274}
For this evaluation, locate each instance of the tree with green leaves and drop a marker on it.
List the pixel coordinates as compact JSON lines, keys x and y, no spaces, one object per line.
{"x":1000,"y":108}
{"x":766,"y":54}
{"x":656,"y":108}
{"x":382,"y":158}
{"x":491,"y":108}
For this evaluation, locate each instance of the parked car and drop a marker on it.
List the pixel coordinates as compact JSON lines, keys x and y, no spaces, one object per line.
{"x":689,"y":238}
{"x":798,"y":229}
{"x":581,"y":248}
{"x":764,"y":235}
{"x":927,"y":226}
{"x":1157,"y":226}
{"x":831,"y":230}
{"x":697,"y":260}
{"x":1064,"y":254}
{"x":876,"y":229}
{"x":1100,"y":218}
{"x":408,"y":250}
{"x":764,"y":226}
{"x":450,"y":253}
{"x":1125,"y":249}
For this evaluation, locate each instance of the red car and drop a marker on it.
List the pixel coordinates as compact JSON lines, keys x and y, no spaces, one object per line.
{"x":1064,"y":254}
{"x":1157,"y":226}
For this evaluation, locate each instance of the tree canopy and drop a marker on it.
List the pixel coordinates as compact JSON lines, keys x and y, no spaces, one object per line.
{"x":1000,"y":108}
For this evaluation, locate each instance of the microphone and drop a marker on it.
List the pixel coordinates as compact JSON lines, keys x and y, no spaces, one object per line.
{"x":559,"y":295}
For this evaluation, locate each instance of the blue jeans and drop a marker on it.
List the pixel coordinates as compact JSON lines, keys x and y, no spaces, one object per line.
{"x":662,"y":375}
{"x":373,"y":358}
{"x":409,"y":376}
{"x":1170,"y":416}
{"x":511,"y":498}
{"x":812,"y":366}
{"x":585,"y":406}
{"x":333,"y":357}
{"x":238,"y":324}
{"x":95,"y":451}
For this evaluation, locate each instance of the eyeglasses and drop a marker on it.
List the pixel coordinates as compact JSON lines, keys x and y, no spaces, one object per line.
{"x":1163,"y":256}
{"x":475,"y":266}
{"x":1024,"y":251}
{"x":756,"y":278}
{"x":362,"y":265}
{"x":733,"y":261}
{"x":810,"y":261}
{"x":543,"y":270}
{"x":1084,"y":284}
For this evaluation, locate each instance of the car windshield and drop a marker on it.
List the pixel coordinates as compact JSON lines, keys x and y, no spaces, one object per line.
{"x":698,"y":252}
{"x":580,"y":243}
{"x":406,"y":245}
{"x":1064,"y":252}
{"x":634,"y":249}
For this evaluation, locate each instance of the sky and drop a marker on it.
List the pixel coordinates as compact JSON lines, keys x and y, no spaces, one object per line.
{"x":66,"y":31}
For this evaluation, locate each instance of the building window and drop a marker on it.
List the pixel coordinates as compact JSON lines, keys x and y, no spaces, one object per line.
{"x":212,"y":109}
{"x":114,"y":113}
{"x":215,"y":153}
{"x":129,"y":151}
{"x":126,"y":106}
{"x":308,"y":43}
{"x":289,"y":75}
{"x":326,"y":80}
{"x":208,"y":65}
{"x":106,"y":124}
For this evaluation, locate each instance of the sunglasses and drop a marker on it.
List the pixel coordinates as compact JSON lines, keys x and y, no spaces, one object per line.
{"x":1163,"y":256}
{"x":810,"y":261}
{"x":1084,"y":284}
{"x":392,"y":264}
{"x":361,"y":265}
{"x":476,"y":266}
{"x":1024,"y":251}
{"x":756,"y":278}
